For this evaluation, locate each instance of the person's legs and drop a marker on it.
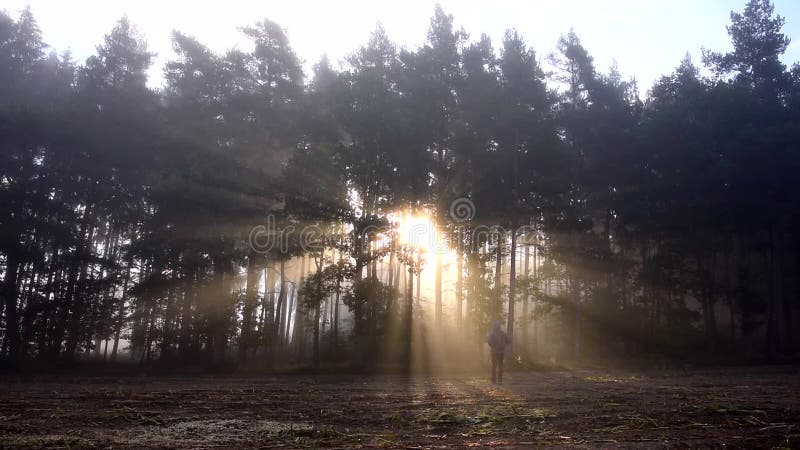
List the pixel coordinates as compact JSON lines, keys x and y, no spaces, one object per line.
{"x":494,"y":367}
{"x":499,"y":368}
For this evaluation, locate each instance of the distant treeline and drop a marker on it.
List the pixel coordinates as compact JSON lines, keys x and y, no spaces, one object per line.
{"x":656,"y":225}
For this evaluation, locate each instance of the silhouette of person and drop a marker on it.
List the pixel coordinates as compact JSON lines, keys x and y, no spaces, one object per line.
{"x":497,"y":341}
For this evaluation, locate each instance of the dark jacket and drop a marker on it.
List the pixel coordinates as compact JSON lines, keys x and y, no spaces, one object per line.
{"x":497,"y":341}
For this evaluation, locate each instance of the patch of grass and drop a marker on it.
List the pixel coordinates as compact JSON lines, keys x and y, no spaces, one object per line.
{"x":629,"y":423}
{"x":396,"y":419}
{"x":450,"y":418}
{"x":735,"y":410}
{"x":502,"y":413}
{"x":606,"y":378}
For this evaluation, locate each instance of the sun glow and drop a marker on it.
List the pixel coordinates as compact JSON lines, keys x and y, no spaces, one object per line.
{"x":417,"y":232}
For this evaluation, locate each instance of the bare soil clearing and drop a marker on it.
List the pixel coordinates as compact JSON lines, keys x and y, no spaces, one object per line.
{"x":732,"y":407}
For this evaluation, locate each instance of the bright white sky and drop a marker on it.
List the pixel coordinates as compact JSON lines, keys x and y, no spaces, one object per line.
{"x":647,"y":38}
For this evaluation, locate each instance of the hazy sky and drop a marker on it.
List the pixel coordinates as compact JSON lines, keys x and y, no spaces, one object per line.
{"x":647,"y":38}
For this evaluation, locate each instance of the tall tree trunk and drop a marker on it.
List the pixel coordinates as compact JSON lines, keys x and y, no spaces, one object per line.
{"x":335,"y":309}
{"x":419,"y":283}
{"x":576,"y":293}
{"x":534,"y":303}
{"x":121,"y":312}
{"x":328,"y":315}
{"x":299,"y":331}
{"x":438,"y":288}
{"x":335,"y":327}
{"x":399,"y":277}
{"x":315,"y":348}
{"x":220,"y":317}
{"x":775,"y":304}
{"x":459,"y":287}
{"x":148,"y":342}
{"x":325,"y":314}
{"x":79,"y":300}
{"x":51,"y":290}
{"x":708,"y":272}
{"x":473,"y":275}
{"x":184,"y":341}
{"x":358,"y":256}
{"x":138,"y":322}
{"x":11,"y":291}
{"x":170,"y":320}
{"x":373,"y":245}
{"x":267,"y":325}
{"x":26,"y":279}
{"x":109,"y":248}
{"x":512,"y":284}
{"x":317,"y":306}
{"x":498,"y":267}
{"x":409,"y":313}
{"x":280,"y":321}
{"x":729,"y":282}
{"x":72,"y":283}
{"x":290,"y":305}
{"x":788,"y":319}
{"x":390,"y":281}
{"x":250,"y":302}
{"x":2,"y":312}
{"x":524,"y":322}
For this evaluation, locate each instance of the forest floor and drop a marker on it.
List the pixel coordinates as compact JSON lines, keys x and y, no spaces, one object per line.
{"x":729,"y":407}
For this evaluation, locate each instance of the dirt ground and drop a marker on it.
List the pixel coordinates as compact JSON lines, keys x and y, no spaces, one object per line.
{"x":731,"y":407}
